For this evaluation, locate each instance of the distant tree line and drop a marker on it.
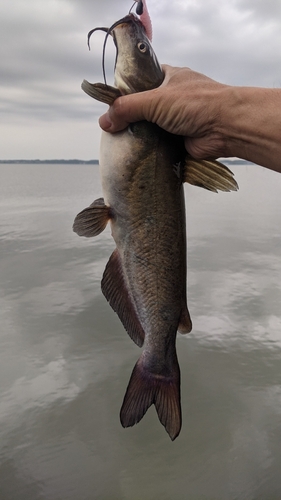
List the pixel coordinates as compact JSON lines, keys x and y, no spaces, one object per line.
{"x":66,"y":162}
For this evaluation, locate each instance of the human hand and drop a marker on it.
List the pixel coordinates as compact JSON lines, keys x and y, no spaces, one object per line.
{"x":187,"y":104}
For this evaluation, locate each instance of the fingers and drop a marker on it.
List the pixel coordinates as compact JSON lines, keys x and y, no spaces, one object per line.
{"x":134,"y":107}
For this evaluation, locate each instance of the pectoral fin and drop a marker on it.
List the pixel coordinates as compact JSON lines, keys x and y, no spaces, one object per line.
{"x":208,"y":174}
{"x":115,"y":290}
{"x":92,"y":220}
{"x":101,"y":92}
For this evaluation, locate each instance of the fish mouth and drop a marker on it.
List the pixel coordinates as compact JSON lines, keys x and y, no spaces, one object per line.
{"x":109,"y":31}
{"x":130,"y":18}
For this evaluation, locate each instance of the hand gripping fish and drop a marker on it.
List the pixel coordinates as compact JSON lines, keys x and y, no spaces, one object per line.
{"x":142,"y":171}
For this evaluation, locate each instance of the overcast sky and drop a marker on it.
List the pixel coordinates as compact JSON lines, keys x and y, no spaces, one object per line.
{"x":44,"y":58}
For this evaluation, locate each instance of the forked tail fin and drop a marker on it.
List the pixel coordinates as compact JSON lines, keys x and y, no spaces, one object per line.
{"x":146,"y":388}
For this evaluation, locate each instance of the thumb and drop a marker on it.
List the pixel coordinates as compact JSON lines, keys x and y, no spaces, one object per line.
{"x":125,"y":109}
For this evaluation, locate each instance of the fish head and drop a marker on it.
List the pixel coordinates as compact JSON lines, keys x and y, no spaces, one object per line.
{"x":136,"y":68}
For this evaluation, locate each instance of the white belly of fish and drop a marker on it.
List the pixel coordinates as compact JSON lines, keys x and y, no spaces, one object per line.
{"x":118,"y":152}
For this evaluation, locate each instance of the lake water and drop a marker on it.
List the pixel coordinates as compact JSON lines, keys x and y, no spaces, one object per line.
{"x":65,"y":359}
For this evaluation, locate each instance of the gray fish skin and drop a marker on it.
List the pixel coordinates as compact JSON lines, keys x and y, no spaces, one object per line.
{"x":142,"y":171}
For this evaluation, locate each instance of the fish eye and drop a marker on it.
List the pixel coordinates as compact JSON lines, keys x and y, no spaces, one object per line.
{"x":142,"y":47}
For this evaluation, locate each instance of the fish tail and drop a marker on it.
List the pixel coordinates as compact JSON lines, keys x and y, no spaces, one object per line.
{"x":146,"y":388}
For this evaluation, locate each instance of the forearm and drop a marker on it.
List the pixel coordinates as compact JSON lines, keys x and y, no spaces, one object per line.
{"x":215,"y":120}
{"x":250,"y":121}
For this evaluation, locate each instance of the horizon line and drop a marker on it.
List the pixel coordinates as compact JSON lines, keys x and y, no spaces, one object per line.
{"x":53,"y":160}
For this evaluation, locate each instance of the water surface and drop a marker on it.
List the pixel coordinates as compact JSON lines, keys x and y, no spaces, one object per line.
{"x":65,"y":359}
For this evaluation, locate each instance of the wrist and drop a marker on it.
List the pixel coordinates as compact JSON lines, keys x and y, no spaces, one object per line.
{"x":249,"y":124}
{"x":230,"y":121}
{"x":237,"y":121}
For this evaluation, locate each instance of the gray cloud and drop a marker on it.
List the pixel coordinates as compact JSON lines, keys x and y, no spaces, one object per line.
{"x":44,"y":57}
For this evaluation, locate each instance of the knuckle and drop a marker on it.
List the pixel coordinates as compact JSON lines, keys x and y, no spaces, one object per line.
{"x":117,"y":107}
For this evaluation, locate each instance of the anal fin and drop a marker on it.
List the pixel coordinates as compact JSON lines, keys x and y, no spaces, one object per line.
{"x":209,"y":174}
{"x":115,"y":290}
{"x":92,"y":220}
